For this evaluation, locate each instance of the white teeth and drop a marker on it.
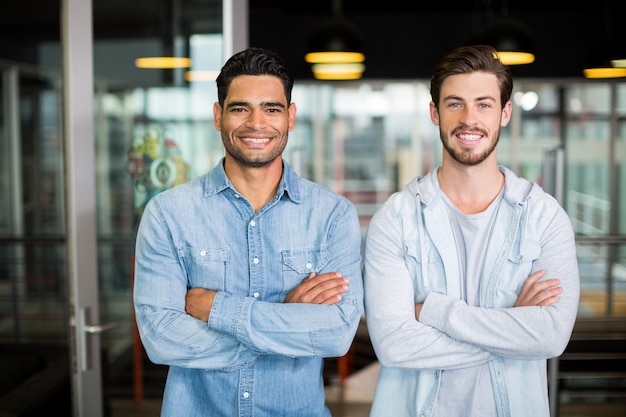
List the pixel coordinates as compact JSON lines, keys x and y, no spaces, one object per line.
{"x":255,"y":140}
{"x":470,"y":137}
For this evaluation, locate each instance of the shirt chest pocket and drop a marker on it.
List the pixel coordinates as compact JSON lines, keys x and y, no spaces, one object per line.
{"x":206,"y":268}
{"x":429,"y":263}
{"x":517,"y":269}
{"x":299,"y":263}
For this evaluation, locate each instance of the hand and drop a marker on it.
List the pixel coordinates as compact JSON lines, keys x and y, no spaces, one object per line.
{"x":418,"y":310}
{"x":198,"y":303}
{"x":535,"y":293}
{"x":319,"y":289}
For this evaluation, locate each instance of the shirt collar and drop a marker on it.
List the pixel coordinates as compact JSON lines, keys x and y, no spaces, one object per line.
{"x":217,"y":181}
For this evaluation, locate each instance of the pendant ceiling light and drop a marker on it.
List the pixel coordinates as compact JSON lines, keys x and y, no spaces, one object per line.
{"x":606,"y":58}
{"x":603,"y":61}
{"x":619,"y":62}
{"x":335,"y":49}
{"x":510,"y":37}
{"x":171,"y":57}
{"x":163,"y":62}
{"x":512,"y":40}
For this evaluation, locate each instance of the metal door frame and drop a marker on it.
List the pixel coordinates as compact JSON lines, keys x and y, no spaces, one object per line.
{"x":78,"y":129}
{"x":81,"y":202}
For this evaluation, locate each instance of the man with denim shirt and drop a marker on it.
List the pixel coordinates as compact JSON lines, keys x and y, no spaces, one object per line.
{"x":471,"y":277}
{"x":247,"y":277}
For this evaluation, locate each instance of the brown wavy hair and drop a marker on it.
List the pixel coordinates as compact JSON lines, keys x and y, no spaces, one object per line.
{"x":468,"y":59}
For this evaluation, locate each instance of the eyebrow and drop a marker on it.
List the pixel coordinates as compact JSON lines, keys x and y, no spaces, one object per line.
{"x":248,"y":104}
{"x":481,"y":98}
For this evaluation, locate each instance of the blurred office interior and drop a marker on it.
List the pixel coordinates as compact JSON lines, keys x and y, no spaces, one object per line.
{"x":87,"y":138}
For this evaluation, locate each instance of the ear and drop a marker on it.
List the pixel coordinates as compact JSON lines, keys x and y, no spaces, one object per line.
{"x":292,"y":116}
{"x":217,"y":116}
{"x":434,"y":113}
{"x":506,"y":114}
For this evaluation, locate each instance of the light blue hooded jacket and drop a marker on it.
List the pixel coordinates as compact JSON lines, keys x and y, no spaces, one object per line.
{"x":411,"y":257}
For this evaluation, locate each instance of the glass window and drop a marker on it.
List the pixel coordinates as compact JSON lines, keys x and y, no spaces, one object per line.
{"x":33,"y":279}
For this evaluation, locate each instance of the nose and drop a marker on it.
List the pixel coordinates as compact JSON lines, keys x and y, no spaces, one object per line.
{"x":256,"y":119}
{"x":469,"y":116}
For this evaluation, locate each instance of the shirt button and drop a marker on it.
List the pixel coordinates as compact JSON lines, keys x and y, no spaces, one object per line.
{"x":255,"y":260}
{"x":256,"y":295}
{"x":252,"y":223}
{"x":246,"y":394}
{"x":202,"y":253}
{"x":309,"y":265}
{"x":236,"y":195}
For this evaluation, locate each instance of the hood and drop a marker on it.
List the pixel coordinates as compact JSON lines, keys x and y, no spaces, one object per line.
{"x":517,"y":190}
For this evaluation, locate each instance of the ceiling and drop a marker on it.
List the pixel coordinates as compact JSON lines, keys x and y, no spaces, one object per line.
{"x":403,"y":39}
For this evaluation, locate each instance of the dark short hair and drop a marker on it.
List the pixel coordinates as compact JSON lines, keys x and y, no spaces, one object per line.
{"x":253,"y":61}
{"x":468,"y":59}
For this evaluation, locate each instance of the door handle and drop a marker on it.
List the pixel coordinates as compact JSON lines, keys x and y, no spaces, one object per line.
{"x":100,"y":329}
{"x":85,"y":329}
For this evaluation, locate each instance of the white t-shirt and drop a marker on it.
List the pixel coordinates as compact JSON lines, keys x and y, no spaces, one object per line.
{"x":468,"y":392}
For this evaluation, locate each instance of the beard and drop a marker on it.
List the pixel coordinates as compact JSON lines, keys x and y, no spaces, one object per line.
{"x":469,"y":157}
{"x":252,"y":160}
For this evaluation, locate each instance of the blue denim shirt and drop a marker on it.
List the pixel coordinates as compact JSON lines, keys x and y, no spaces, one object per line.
{"x":257,"y":356}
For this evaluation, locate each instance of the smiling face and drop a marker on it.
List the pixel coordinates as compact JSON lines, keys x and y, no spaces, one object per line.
{"x":255,"y":120}
{"x":470,"y":115}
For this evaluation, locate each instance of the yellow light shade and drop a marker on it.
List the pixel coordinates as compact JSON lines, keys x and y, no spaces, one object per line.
{"x":201,"y":75}
{"x":163,"y":62}
{"x":604,"y":58}
{"x":511,"y":38}
{"x":334,"y":57}
{"x":343,"y":71}
{"x":338,"y":77}
{"x":604,"y":72}
{"x":516,"y":58}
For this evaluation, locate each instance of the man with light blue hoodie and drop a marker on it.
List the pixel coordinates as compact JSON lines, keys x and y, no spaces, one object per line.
{"x":471,"y":277}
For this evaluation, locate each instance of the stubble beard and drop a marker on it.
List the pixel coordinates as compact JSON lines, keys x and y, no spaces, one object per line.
{"x":254,"y":161}
{"x":467,"y":157}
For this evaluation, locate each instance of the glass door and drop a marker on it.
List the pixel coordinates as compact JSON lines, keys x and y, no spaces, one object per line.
{"x":34,"y":312}
{"x":49,"y":316}
{"x":86,"y":138}
{"x":79,"y":152}
{"x":153,"y":129}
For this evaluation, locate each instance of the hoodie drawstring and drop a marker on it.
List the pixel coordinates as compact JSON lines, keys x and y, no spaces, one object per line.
{"x":422,"y":240}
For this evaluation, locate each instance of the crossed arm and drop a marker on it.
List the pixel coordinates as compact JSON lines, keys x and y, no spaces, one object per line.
{"x":534,"y":293}
{"x":315,"y":289}
{"x":443,"y":332}
{"x":202,"y":328}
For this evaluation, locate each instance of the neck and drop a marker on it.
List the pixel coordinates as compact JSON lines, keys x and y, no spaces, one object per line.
{"x":471,"y":188}
{"x":257,"y":184}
